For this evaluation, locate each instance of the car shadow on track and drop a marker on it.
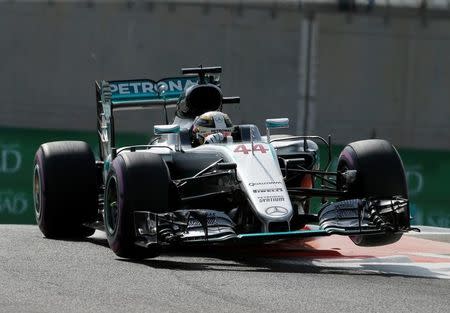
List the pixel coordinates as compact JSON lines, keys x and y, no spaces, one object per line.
{"x":270,"y":258}
{"x":98,"y":241}
{"x":218,"y":259}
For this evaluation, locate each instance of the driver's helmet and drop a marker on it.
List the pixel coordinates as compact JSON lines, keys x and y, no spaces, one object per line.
{"x":210,"y":123}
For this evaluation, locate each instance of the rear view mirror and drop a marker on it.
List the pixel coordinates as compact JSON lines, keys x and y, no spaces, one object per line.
{"x":169,"y":129}
{"x":277,"y":123}
{"x":273,"y":123}
{"x":166,"y":129}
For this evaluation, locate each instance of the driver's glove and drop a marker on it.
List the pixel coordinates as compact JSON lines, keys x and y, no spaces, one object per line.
{"x":214,"y":138}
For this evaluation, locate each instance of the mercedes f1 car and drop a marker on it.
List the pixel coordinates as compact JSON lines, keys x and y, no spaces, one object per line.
{"x":248,"y":188}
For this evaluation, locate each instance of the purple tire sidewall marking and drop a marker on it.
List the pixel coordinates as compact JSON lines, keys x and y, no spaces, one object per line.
{"x":40,"y":163}
{"x":120,"y":191}
{"x":119,"y":181}
{"x":345,"y":154}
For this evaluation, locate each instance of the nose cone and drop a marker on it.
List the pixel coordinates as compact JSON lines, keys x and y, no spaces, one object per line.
{"x":261,"y":178}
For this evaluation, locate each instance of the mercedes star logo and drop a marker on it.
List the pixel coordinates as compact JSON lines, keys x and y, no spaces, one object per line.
{"x":276,"y":211}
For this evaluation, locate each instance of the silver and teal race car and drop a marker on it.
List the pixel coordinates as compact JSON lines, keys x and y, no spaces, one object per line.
{"x":249,"y":188}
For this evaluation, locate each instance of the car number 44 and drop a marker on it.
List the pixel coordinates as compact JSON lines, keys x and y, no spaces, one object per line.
{"x":246,"y":150}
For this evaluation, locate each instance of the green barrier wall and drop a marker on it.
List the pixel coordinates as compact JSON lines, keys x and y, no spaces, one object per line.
{"x":17,"y":149}
{"x":426,"y":172}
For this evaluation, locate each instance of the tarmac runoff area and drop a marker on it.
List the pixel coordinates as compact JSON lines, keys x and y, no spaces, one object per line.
{"x":432,"y":233}
{"x":313,"y":275}
{"x":420,"y":254}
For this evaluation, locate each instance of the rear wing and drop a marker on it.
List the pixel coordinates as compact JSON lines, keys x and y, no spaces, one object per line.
{"x":135,"y":94}
{"x":131,"y":95}
{"x":144,"y":93}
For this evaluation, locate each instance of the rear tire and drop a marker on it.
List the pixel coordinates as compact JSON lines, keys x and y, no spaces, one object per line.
{"x":380,"y":173}
{"x":65,"y":189}
{"x":137,"y":181}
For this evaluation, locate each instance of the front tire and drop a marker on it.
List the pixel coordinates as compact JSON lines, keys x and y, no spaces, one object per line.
{"x":380,"y":174}
{"x":65,"y":189}
{"x":137,"y":181}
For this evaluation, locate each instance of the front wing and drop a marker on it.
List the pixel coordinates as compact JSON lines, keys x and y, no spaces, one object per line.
{"x":349,"y":217}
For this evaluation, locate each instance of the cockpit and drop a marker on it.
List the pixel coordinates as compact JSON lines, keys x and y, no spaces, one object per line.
{"x":240,"y":133}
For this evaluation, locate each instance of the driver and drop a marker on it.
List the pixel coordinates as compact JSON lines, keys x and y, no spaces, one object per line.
{"x":211,"y":127}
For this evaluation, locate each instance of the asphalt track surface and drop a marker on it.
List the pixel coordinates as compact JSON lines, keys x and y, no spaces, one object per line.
{"x":43,"y":275}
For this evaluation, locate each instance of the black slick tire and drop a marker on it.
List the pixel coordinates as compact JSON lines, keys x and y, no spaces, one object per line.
{"x":380,"y":174}
{"x":137,"y":181}
{"x":65,"y":189}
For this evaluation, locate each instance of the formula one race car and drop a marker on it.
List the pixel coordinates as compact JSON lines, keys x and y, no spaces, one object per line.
{"x":231,"y":185}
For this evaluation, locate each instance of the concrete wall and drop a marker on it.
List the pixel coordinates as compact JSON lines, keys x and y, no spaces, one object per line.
{"x":390,"y":80}
{"x":372,"y":78}
{"x":50,"y":56}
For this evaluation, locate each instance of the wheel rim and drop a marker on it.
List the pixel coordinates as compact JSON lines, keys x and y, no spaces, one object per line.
{"x":37,"y":191}
{"x":111,"y":206}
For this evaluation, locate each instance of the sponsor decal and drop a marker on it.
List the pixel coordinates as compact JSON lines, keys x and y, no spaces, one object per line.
{"x":267,"y":190}
{"x":276,"y":211}
{"x":10,"y":159}
{"x":266,"y":199}
{"x":132,"y":87}
{"x":13,"y":203}
{"x":268,"y":183}
{"x":211,"y":221}
{"x":150,"y":88}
